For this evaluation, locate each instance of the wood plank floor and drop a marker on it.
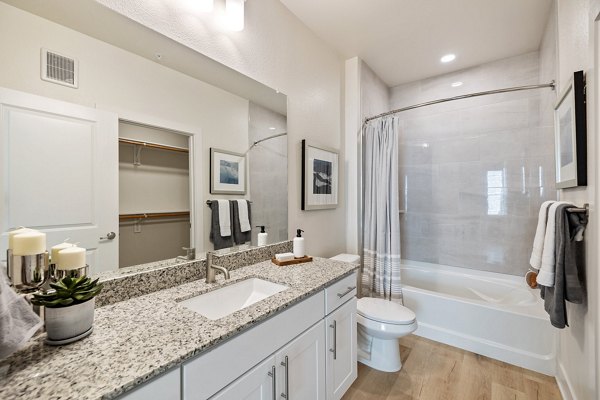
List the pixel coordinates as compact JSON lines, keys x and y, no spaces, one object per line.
{"x":435,"y":371}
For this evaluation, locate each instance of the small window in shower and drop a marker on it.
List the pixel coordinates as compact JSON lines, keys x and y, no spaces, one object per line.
{"x":496,"y":198}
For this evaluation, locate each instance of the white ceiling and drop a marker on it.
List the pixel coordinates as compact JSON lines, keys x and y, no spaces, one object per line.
{"x":403,"y":40}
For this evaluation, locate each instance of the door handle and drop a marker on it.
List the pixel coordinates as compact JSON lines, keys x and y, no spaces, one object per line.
{"x":334,"y":350}
{"x":286,"y":394}
{"x":109,"y":236}
{"x":274,"y":383}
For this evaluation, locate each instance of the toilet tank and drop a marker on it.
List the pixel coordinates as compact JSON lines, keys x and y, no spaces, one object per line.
{"x":349,"y":258}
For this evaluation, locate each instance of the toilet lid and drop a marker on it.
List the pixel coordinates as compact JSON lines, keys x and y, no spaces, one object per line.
{"x":385,"y":311}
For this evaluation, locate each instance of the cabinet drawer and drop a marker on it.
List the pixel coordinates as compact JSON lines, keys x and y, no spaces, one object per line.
{"x":340,"y":292}
{"x":165,"y":387}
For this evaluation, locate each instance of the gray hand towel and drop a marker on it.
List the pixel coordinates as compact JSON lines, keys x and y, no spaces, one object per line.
{"x":569,"y":277}
{"x":220,"y":242}
{"x":238,"y":236}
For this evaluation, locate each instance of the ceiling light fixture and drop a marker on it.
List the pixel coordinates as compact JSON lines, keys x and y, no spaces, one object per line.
{"x":204,"y":6}
{"x":456,"y":84}
{"x":234,"y":14}
{"x":447,"y":58}
{"x":272,"y":128}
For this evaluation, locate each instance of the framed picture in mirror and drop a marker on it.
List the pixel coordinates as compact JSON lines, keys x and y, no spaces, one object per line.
{"x":320,"y":166}
{"x":570,"y":135}
{"x":227,"y":172}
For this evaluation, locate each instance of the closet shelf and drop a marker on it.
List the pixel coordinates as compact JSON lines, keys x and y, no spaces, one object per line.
{"x":174,"y":214}
{"x":153,"y":145}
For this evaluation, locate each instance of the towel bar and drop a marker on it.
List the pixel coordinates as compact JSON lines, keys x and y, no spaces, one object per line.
{"x":585,"y":209}
{"x":209,"y":202}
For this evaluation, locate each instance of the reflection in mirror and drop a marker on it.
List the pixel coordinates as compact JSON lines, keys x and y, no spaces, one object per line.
{"x":267,"y":160}
{"x":86,"y":184}
{"x":154,"y":195}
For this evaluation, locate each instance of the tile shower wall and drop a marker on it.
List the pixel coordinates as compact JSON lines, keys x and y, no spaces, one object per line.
{"x":268,"y":165}
{"x":474,"y":172}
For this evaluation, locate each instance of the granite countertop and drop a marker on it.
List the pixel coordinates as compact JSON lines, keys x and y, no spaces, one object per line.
{"x":138,"y":339}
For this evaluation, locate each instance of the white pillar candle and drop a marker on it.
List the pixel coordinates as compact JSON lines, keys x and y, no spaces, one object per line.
{"x":29,"y":243}
{"x":57,"y":248}
{"x":11,"y":235}
{"x":71,"y":258}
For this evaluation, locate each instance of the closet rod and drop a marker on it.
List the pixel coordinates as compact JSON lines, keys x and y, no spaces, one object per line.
{"x":462,"y":96}
{"x":174,"y":214}
{"x":153,"y":145}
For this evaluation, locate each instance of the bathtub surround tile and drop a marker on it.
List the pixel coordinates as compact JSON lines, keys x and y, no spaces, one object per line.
{"x":472,"y":194}
{"x":138,"y":339}
{"x":456,"y":150}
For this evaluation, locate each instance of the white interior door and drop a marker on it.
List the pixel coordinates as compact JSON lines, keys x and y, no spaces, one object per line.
{"x":59,"y":173}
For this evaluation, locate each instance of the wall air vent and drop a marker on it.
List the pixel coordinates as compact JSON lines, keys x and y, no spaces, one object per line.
{"x":60,"y":69}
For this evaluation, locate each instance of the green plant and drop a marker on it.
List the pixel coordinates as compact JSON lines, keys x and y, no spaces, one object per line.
{"x":68,"y":292}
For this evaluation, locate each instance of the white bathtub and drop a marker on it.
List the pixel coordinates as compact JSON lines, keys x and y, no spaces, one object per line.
{"x":491,"y":314}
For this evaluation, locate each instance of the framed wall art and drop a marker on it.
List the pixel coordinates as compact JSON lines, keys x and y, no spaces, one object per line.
{"x":320,"y":177}
{"x":227,"y":172}
{"x":570,"y":135}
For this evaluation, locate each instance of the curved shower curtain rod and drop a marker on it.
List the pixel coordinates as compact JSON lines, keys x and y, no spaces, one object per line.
{"x":262,"y":140}
{"x":551,"y":85}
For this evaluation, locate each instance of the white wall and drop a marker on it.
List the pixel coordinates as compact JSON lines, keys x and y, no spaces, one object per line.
{"x":365,"y":95}
{"x":119,"y":81}
{"x":578,"y":357}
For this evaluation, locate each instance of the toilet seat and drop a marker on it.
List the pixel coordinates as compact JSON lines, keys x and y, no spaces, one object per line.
{"x":385,"y":311}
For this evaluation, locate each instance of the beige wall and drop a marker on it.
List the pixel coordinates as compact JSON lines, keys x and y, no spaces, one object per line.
{"x":578,"y":372}
{"x":276,"y":49}
{"x":133,"y":87}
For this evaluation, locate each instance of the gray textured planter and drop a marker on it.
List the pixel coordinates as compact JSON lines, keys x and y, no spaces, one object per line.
{"x":67,"y":322}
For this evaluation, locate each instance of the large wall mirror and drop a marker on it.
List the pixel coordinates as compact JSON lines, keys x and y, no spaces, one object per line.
{"x":64,"y":161}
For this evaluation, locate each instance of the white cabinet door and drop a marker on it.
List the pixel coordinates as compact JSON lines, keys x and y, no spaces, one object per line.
{"x":59,"y":173}
{"x":341,"y":350}
{"x":165,"y":387}
{"x":301,"y":366}
{"x":257,"y":384}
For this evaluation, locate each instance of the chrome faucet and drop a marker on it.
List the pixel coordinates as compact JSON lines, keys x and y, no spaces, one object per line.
{"x":190,"y":254}
{"x":210,"y":268}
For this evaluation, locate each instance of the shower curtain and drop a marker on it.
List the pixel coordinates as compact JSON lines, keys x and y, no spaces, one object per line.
{"x":381,"y":224}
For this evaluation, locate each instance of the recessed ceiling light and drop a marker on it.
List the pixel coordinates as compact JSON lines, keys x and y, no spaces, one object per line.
{"x":456,"y":84}
{"x":272,"y":128}
{"x":234,"y":14}
{"x":447,"y":58}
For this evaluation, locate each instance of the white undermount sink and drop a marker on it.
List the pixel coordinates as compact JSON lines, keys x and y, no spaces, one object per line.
{"x":229,"y":299}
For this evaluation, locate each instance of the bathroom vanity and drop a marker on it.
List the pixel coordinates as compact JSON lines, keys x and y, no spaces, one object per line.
{"x":299,"y":343}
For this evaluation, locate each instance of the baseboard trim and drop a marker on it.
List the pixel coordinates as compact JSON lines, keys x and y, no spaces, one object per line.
{"x":564,"y":385}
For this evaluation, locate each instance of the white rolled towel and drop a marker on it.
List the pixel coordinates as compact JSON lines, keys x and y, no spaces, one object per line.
{"x":224,"y":218}
{"x":538,"y":242}
{"x":546,"y":273}
{"x":243,"y":215}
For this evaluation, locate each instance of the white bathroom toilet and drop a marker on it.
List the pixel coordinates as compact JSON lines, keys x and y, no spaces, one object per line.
{"x":380,"y":324}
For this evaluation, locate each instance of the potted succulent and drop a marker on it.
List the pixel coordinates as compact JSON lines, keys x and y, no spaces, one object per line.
{"x":69,"y":306}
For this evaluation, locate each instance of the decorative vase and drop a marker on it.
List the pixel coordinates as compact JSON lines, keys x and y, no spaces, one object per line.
{"x":69,"y":322}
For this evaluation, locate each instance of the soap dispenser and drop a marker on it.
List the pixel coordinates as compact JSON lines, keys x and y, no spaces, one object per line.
{"x":262,"y":236}
{"x":299,"y":248}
